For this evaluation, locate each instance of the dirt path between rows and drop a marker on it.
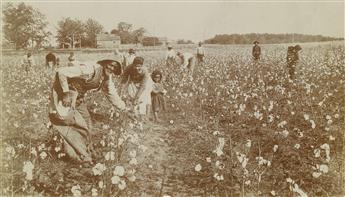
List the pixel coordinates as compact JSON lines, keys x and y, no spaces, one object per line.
{"x":165,"y":164}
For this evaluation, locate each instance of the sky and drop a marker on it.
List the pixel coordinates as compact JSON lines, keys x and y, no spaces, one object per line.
{"x":204,"y":19}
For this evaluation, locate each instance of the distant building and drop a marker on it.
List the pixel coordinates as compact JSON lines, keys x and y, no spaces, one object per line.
{"x":163,"y":40}
{"x":108,"y":41}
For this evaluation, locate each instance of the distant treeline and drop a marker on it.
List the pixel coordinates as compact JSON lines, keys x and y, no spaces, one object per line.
{"x":267,"y":38}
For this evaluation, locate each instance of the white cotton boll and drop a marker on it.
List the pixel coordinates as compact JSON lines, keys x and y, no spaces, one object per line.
{"x":115,"y":180}
{"x":43,"y":155}
{"x":331,"y":138}
{"x":306,"y":116}
{"x":328,"y":117}
{"x":282,"y":124}
{"x":313,"y":125}
{"x":76,"y":191}
{"x":94,"y":192}
{"x":221,"y":141}
{"x":133,"y":161}
{"x":218,"y":151}
{"x":275,"y":148}
{"x":297,"y":146}
{"x":133,"y":153}
{"x":317,"y":152}
{"x":271,"y":106}
{"x":100,"y":184}
{"x":197,"y":167}
{"x":273,"y":193}
{"x":119,"y":170}
{"x":248,"y":144}
{"x":323,"y":168}
{"x":98,"y":169}
{"x":285,"y":133}
{"x":299,"y":191}
{"x":110,"y":156}
{"x":270,"y":118}
{"x":208,"y":159}
{"x":132,"y":178}
{"x":316,"y":174}
{"x":122,"y":185}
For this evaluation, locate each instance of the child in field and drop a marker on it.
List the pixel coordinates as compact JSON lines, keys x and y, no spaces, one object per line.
{"x":27,"y":62}
{"x":157,"y":99}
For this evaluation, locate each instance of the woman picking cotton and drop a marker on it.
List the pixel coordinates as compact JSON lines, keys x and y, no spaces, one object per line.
{"x":137,"y":84}
{"x":67,"y":110}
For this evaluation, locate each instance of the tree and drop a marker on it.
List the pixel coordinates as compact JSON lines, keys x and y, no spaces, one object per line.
{"x":124,"y":27}
{"x":127,"y":36}
{"x":24,"y":26}
{"x":70,"y":32}
{"x":181,"y":41}
{"x":151,"y":41}
{"x":92,"y":27}
{"x":138,"y":35}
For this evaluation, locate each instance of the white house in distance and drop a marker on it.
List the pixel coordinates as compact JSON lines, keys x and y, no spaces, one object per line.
{"x":108,"y":41}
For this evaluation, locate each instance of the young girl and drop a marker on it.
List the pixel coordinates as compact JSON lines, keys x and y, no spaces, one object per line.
{"x":157,"y":99}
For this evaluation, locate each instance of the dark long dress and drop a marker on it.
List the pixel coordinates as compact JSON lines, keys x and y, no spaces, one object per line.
{"x":157,"y":98}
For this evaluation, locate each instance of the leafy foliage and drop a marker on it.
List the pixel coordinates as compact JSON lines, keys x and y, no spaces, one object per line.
{"x":124,"y":30}
{"x":24,"y":25}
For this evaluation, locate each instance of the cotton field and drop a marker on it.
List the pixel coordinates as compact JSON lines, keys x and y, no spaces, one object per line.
{"x":234,"y":128}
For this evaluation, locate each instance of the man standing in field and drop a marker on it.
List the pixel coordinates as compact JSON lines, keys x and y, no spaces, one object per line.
{"x":187,"y":61}
{"x":130,"y":57}
{"x":27,"y":62}
{"x":256,"y":52}
{"x":121,"y":58}
{"x":71,"y":59}
{"x":200,"y":53}
{"x":292,"y":59}
{"x":170,"y":56}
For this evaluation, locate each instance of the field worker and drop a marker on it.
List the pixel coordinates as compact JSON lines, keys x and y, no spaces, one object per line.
{"x":130,"y":57}
{"x":200,"y":53}
{"x":27,"y":62}
{"x":51,"y":60}
{"x":187,"y":61}
{"x":71,"y":60}
{"x":256,"y":52}
{"x":67,"y":110}
{"x":137,"y":84}
{"x":121,"y":58}
{"x":170,"y":56}
{"x":292,"y":59}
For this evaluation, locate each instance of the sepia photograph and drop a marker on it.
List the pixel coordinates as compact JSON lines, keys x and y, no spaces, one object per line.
{"x":172,"y":98}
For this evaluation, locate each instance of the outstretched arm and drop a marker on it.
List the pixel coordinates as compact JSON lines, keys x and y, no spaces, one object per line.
{"x":112,"y":95}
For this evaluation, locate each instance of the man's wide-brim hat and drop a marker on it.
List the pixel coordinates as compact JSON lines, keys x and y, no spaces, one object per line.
{"x":169,"y":46}
{"x":115,"y":63}
{"x":256,"y":42}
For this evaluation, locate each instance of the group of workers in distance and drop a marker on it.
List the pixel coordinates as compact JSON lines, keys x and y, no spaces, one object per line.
{"x":139,"y":92}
